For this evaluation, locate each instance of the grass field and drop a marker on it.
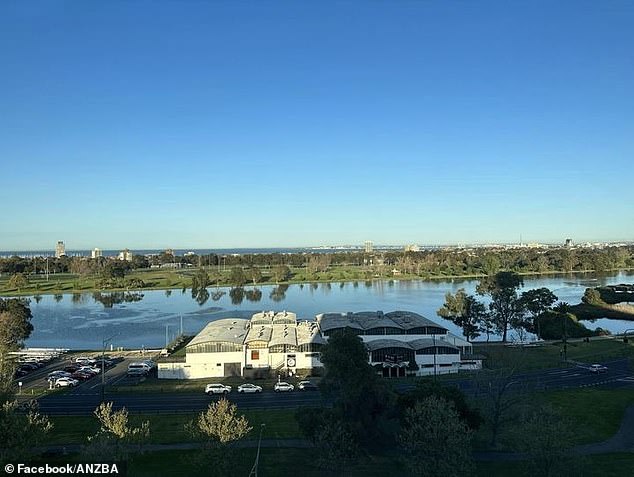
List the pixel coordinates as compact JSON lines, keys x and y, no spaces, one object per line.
{"x":169,"y":428}
{"x":548,"y":355}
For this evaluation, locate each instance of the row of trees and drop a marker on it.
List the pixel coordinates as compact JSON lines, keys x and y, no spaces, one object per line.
{"x":440,"y":262}
{"x":507,"y":308}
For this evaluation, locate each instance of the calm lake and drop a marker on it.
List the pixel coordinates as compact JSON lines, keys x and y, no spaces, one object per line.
{"x":82,"y":322}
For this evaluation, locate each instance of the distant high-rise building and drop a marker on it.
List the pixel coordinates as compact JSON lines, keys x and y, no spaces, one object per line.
{"x":96,"y":253}
{"x":568,"y":242}
{"x":369,"y":246}
{"x":125,"y":255}
{"x":60,"y":249}
{"x":411,"y":247}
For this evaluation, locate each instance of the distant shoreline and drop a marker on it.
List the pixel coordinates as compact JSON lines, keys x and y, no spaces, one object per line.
{"x":67,"y":285}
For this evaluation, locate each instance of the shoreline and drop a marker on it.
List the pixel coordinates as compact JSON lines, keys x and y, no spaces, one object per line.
{"x":165,"y":287}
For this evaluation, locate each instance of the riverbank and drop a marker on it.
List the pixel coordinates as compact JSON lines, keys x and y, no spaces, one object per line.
{"x":182,"y":279}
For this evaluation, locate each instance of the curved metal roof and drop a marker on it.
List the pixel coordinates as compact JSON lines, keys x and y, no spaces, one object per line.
{"x":283,"y":335}
{"x":232,"y":330}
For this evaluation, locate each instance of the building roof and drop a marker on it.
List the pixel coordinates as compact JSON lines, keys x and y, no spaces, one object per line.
{"x":308,"y":332}
{"x":283,"y":335}
{"x":423,"y":343}
{"x":232,"y":330}
{"x":365,"y":320}
{"x":259,"y":333}
{"x":386,"y":343}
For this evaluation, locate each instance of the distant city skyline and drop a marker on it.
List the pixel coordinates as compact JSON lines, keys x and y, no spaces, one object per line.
{"x":157,"y":124}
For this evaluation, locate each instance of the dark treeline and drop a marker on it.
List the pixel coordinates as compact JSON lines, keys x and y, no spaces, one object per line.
{"x":441,"y":262}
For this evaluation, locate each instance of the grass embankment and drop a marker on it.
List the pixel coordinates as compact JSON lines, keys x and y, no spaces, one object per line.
{"x":585,"y":311}
{"x":169,"y":428}
{"x":548,"y":355}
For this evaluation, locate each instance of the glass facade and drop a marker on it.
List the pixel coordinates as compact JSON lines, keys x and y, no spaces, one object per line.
{"x":214,"y":347}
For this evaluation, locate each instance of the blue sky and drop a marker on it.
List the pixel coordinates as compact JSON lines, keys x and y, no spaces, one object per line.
{"x":258,"y":124}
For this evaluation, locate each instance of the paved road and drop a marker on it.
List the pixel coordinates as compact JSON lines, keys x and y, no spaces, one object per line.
{"x":83,"y":399}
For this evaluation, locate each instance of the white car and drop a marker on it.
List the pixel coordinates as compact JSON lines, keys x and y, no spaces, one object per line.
{"x":211,"y":389}
{"x":597,"y":368}
{"x":66,"y":382}
{"x":283,"y":387}
{"x":249,"y":388}
{"x":85,"y":360}
{"x":90,"y":369}
{"x":306,"y":386}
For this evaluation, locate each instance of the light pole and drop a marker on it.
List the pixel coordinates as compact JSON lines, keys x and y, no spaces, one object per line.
{"x":103,"y":364}
{"x":254,"y":469}
{"x":433,"y":337}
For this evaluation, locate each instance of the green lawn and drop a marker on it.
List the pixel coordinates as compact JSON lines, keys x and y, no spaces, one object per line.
{"x":169,"y":428}
{"x":596,"y":413}
{"x":547,"y":355}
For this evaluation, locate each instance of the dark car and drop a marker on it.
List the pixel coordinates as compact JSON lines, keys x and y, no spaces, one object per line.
{"x":71,"y":369}
{"x":81,"y":376}
{"x":306,"y":386}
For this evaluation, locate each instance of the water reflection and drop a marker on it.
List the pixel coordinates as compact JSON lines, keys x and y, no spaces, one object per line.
{"x":115,"y":298}
{"x":254,"y":295}
{"x":237,"y":295}
{"x":278,"y":293}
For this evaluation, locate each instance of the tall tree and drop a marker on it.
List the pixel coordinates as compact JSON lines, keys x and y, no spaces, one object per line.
{"x":238,"y":277}
{"x":435,"y":441}
{"x":219,"y":427}
{"x":115,"y":435}
{"x":360,"y":396}
{"x":15,"y":323}
{"x":465,"y":311}
{"x":254,"y":274}
{"x":505,"y":305}
{"x":18,"y":281}
{"x":281,"y":273}
{"x":537,"y":302}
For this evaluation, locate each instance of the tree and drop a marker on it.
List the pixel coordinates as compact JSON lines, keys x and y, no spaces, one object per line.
{"x":219,"y":427}
{"x":537,"y":302}
{"x":254,"y":274}
{"x":115,"y":435}
{"x":15,"y":323}
{"x":18,"y":281}
{"x":428,"y":388}
{"x":435,"y":441}
{"x":360,"y":397}
{"x":21,"y":433}
{"x":545,"y":438}
{"x":505,"y":305}
{"x":237,"y":277}
{"x":465,"y":311}
{"x":592,"y":296}
{"x":336,"y":445}
{"x":281,"y":273}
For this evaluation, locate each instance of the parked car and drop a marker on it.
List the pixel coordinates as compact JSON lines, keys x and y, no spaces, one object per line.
{"x":90,"y":369}
{"x":283,"y":387}
{"x":53,"y":376}
{"x":71,"y":368}
{"x":249,"y":388}
{"x":597,"y":368}
{"x":138,"y":369}
{"x":306,"y":386}
{"x":211,"y":389}
{"x":85,"y":359}
{"x":81,"y":376}
{"x":66,"y":382}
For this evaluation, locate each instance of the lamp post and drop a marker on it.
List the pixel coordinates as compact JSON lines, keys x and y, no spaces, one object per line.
{"x":103,"y":364}
{"x":433,"y":337}
{"x":254,"y":469}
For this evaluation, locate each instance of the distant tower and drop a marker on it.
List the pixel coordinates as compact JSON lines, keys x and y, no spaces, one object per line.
{"x":96,"y":253}
{"x":60,"y":249}
{"x":568,"y":242}
{"x":369,"y":246}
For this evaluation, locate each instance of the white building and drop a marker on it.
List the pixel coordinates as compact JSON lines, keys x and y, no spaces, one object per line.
{"x":60,"y":249}
{"x":398,"y":343}
{"x":125,"y":255}
{"x":96,"y":253}
{"x":268,"y":343}
{"x":403,"y":342}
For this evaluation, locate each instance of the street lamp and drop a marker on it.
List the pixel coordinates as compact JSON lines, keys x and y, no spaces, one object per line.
{"x":103,"y":364}
{"x":254,"y":469}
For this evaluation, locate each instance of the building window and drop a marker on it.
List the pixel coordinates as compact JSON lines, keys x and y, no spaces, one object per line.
{"x":215,"y":347}
{"x":309,"y":347}
{"x":255,"y":355}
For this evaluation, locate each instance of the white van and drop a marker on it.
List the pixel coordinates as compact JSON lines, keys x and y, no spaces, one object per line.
{"x":138,"y":369}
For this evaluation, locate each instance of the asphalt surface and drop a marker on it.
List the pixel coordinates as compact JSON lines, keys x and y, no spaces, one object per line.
{"x":83,"y":399}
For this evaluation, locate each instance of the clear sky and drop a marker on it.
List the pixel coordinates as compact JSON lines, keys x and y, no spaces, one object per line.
{"x":148,"y":124}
